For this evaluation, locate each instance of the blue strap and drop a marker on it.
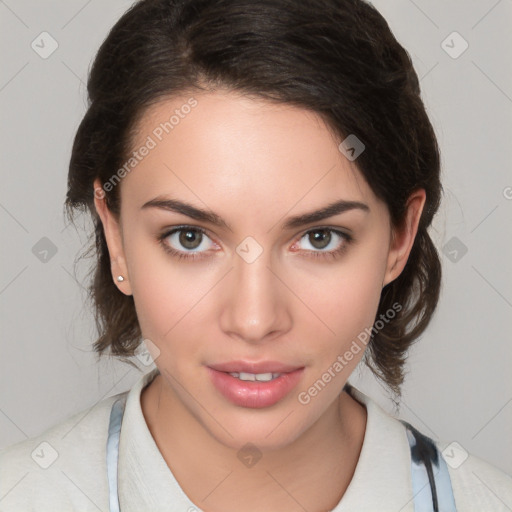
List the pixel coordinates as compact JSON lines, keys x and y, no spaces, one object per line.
{"x":431,"y":484}
{"x":114,"y":431}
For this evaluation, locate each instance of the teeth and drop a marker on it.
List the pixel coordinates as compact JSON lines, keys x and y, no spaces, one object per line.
{"x":262,"y":377}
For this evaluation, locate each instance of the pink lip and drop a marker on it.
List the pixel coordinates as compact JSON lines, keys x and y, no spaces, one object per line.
{"x":254,"y":394}
{"x":254,"y":367}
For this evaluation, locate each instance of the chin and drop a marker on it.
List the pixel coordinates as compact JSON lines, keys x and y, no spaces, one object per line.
{"x":269,"y":430}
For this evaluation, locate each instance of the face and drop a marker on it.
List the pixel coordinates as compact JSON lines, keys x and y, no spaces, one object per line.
{"x":253,"y":285}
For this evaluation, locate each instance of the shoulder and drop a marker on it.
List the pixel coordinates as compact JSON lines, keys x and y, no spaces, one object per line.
{"x":60,"y":467}
{"x":477,"y":485}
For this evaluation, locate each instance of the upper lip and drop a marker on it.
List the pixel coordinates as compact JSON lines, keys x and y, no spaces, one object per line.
{"x":254,"y":367}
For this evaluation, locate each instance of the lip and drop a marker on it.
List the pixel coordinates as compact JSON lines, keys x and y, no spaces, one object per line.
{"x":254,"y":394}
{"x":254,"y":367}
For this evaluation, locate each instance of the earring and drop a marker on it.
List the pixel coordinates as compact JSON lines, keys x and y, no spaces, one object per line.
{"x":120,"y":278}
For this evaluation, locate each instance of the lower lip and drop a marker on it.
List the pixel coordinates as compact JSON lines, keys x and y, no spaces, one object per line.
{"x":254,"y":394}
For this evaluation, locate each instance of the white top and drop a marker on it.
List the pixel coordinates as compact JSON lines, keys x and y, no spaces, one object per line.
{"x":65,"y":468}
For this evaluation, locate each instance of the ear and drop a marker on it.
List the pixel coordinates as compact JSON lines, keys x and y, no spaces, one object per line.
{"x":113,"y":236}
{"x":402,"y":239}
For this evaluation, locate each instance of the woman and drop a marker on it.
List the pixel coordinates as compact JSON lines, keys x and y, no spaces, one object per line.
{"x":262,"y":177}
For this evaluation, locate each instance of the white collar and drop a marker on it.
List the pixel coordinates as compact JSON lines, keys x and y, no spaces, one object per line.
{"x":381,"y":481}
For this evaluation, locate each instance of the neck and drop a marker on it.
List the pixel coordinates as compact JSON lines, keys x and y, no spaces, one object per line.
{"x":311,"y":473}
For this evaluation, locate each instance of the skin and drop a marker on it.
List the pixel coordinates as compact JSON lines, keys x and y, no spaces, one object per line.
{"x":255,"y":164}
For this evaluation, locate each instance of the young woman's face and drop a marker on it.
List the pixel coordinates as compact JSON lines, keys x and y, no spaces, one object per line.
{"x":246,"y":281}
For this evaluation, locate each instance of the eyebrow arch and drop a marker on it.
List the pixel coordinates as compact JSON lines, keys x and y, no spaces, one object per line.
{"x":174,"y":205}
{"x":330,"y":210}
{"x":199,"y":214}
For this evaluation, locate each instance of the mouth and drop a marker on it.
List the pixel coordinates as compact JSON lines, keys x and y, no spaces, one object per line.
{"x":254,"y":385}
{"x":252,"y":377}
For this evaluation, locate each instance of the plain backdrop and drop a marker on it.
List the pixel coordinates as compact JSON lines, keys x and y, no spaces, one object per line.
{"x":459,"y":385}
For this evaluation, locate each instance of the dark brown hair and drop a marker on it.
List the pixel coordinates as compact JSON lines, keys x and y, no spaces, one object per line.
{"x":337,"y":58}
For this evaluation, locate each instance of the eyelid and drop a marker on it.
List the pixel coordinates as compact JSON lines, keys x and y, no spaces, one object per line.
{"x":341,"y":231}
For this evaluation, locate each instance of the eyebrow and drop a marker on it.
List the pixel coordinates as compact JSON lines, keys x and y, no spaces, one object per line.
{"x":177,"y":206}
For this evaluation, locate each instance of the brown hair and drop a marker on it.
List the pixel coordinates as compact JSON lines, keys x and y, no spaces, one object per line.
{"x":337,"y":58}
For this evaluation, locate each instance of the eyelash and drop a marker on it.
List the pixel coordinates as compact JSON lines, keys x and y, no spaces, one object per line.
{"x":332,"y":254}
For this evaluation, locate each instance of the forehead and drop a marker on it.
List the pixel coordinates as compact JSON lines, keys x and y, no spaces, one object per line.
{"x":224,"y":145}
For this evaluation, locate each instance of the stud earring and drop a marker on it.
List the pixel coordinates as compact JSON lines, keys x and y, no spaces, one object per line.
{"x":120,"y":278}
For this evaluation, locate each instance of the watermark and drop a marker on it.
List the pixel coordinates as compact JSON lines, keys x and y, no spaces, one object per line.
{"x":454,"y":249}
{"x":151,"y":142}
{"x":44,"y":45}
{"x":507,"y":192}
{"x":304,"y":397}
{"x":44,"y":454}
{"x":147,"y":352}
{"x":454,"y":45}
{"x":351,"y":147}
{"x":454,"y":454}
{"x":44,"y":250}
{"x":249,"y":455}
{"x":249,"y":249}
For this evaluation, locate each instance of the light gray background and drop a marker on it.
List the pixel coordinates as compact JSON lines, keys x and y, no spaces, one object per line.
{"x":458,"y":387}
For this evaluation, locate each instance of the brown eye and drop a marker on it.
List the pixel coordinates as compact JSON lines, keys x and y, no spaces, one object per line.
{"x":320,"y":238}
{"x":324,"y":242}
{"x":190,"y":238}
{"x":186,"y":242}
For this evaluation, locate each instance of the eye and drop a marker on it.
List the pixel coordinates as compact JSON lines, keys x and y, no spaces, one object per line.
{"x":190,"y":242}
{"x":186,"y":242}
{"x":326,"y":241}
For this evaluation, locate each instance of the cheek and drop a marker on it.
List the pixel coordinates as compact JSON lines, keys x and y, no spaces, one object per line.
{"x":342,"y":301}
{"x":164,"y":290}
{"x":167,"y":310}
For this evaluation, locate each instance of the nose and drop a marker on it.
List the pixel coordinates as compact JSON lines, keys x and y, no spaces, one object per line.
{"x":255,"y":305}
